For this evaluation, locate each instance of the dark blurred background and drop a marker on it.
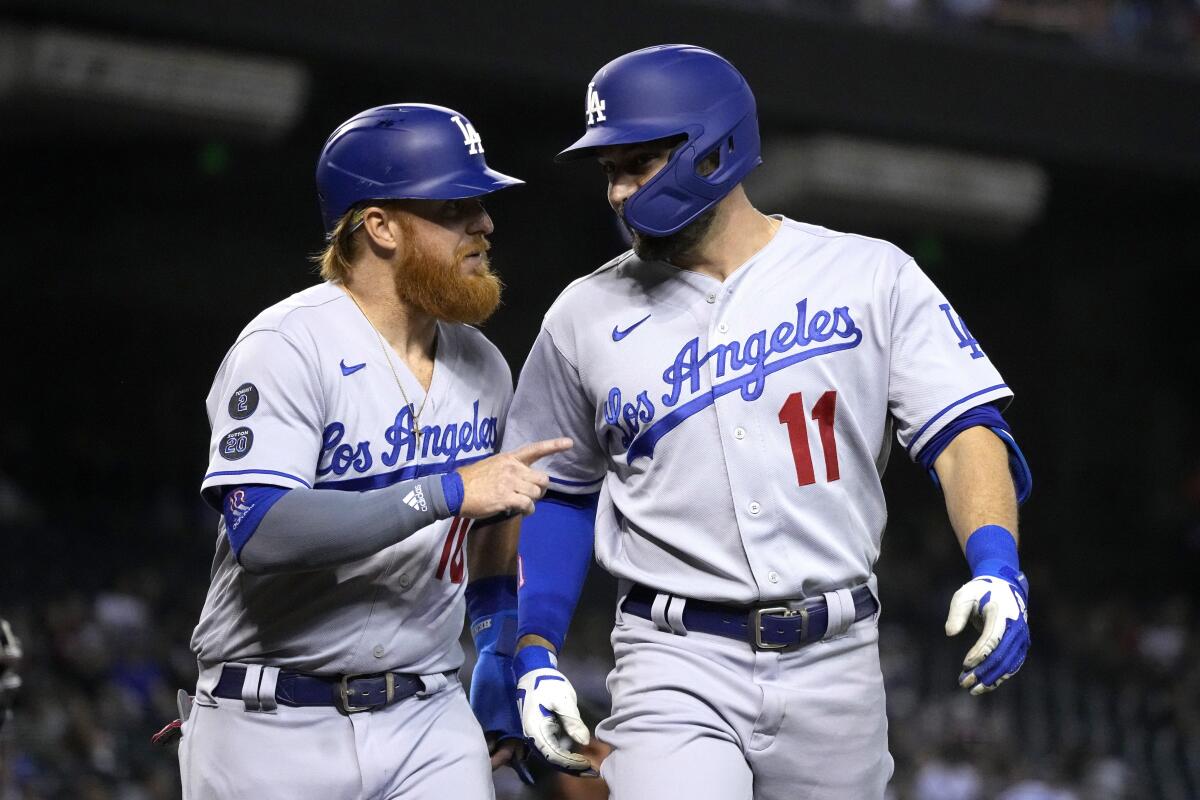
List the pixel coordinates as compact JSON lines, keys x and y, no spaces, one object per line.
{"x":1040,"y":159}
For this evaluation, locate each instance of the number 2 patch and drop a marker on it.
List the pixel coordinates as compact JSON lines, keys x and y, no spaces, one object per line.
{"x":965,"y":339}
{"x":244,"y":401}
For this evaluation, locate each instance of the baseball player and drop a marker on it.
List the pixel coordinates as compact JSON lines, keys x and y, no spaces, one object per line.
{"x":733,"y":385}
{"x":355,"y":432}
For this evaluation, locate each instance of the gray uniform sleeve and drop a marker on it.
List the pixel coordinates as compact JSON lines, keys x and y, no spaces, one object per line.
{"x":938,"y":370}
{"x":550,"y":401}
{"x":310,"y":529}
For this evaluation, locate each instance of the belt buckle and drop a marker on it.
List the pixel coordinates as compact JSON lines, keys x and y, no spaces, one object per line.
{"x":778,"y":611}
{"x":389,"y":681}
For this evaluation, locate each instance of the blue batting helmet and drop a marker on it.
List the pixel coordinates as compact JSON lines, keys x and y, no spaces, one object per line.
{"x":672,"y":90}
{"x":403,"y":151}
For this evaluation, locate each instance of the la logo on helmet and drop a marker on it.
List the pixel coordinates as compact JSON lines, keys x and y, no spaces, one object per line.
{"x":595,"y":106}
{"x":470,"y":137}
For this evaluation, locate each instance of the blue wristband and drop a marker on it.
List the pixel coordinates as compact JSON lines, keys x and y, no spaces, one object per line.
{"x":533,"y":657}
{"x":992,"y":550}
{"x":452,"y":489}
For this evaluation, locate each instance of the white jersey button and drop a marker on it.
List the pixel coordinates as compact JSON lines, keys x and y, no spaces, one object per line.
{"x":723,"y":328}
{"x":739,"y":432}
{"x":712,"y":298}
{"x":404,"y":580}
{"x":378,"y":651}
{"x":755,"y":508}
{"x":773,"y":577}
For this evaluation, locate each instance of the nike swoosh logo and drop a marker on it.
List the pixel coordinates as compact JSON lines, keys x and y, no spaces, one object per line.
{"x":619,"y":334}
{"x":352,"y":369}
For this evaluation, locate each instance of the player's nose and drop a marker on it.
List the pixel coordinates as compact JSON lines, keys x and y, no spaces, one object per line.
{"x":480,"y":223}
{"x":620,"y":189}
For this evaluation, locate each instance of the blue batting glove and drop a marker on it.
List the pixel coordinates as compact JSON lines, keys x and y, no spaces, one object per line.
{"x":998,"y":606}
{"x":550,"y":711}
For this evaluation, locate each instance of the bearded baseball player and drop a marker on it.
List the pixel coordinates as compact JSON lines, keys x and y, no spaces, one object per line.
{"x":732,"y":385}
{"x":355,"y":432}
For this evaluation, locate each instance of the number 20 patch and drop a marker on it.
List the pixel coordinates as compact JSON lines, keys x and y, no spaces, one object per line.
{"x":236,"y":444}
{"x":965,"y":339}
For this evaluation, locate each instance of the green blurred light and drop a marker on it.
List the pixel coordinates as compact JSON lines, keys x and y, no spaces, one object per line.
{"x":928,"y":250}
{"x":214,"y":158}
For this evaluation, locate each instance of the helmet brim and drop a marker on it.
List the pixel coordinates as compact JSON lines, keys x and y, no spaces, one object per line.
{"x":597,"y":137}
{"x":456,"y":186}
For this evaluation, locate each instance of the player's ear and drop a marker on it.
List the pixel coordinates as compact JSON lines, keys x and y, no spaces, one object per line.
{"x":377,"y":225}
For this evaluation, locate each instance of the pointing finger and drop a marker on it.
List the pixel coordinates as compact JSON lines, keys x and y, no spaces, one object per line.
{"x":536,"y":450}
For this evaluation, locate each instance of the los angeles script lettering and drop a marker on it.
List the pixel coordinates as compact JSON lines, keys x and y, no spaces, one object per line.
{"x":749,"y":361}
{"x":469,"y":436}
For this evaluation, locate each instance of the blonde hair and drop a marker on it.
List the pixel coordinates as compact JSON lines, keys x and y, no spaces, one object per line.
{"x":338,"y":256}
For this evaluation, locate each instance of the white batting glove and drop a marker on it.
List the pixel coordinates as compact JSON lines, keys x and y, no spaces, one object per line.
{"x":998,"y":608}
{"x":548,"y":707}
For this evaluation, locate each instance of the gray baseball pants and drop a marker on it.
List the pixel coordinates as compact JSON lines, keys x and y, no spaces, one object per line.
{"x":708,"y":718}
{"x":421,"y":748}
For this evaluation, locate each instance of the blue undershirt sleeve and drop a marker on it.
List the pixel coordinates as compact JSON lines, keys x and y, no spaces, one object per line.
{"x":554,"y":554}
{"x":243,"y":507}
{"x":988,"y":416}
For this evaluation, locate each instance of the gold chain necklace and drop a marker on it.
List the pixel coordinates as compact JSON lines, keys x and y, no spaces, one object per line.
{"x":412,"y":409}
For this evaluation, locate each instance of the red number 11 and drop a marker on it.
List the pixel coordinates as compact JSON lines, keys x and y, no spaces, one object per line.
{"x":792,"y":415}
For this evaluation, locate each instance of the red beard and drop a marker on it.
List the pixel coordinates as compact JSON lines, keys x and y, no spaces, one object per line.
{"x":438,"y":286}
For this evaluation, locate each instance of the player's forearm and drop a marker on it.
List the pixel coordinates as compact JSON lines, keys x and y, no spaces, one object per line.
{"x":492,"y":549}
{"x":555,"y":551}
{"x":312,"y":529}
{"x":974,"y":473}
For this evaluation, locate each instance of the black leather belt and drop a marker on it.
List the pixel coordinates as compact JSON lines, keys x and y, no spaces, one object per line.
{"x":348,"y":693}
{"x":765,"y":627}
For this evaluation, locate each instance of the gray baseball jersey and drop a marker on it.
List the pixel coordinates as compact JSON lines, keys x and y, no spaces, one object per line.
{"x":306,"y":398}
{"x":737,"y":430}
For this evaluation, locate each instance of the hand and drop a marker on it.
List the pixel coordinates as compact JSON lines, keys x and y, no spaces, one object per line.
{"x":506,"y":483}
{"x":998,"y":607}
{"x":493,"y":699}
{"x":514,"y":753}
{"x":549,"y":709}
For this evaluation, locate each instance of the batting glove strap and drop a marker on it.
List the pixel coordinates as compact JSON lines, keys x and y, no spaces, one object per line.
{"x":550,"y":712}
{"x":998,"y":608}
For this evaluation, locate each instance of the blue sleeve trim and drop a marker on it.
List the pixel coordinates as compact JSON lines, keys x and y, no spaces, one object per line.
{"x":287,"y":475}
{"x":562,"y":482}
{"x":243,"y":508}
{"x":453,"y":491}
{"x":555,"y":552}
{"x":385,"y":479}
{"x":1022,"y":475}
{"x":941,"y":413}
{"x":986,"y":415}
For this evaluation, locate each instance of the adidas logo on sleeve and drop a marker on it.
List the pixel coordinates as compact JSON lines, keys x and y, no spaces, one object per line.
{"x":416,"y":499}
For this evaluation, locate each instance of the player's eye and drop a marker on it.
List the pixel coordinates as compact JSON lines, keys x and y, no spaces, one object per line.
{"x":644,"y":160}
{"x":608,"y":168}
